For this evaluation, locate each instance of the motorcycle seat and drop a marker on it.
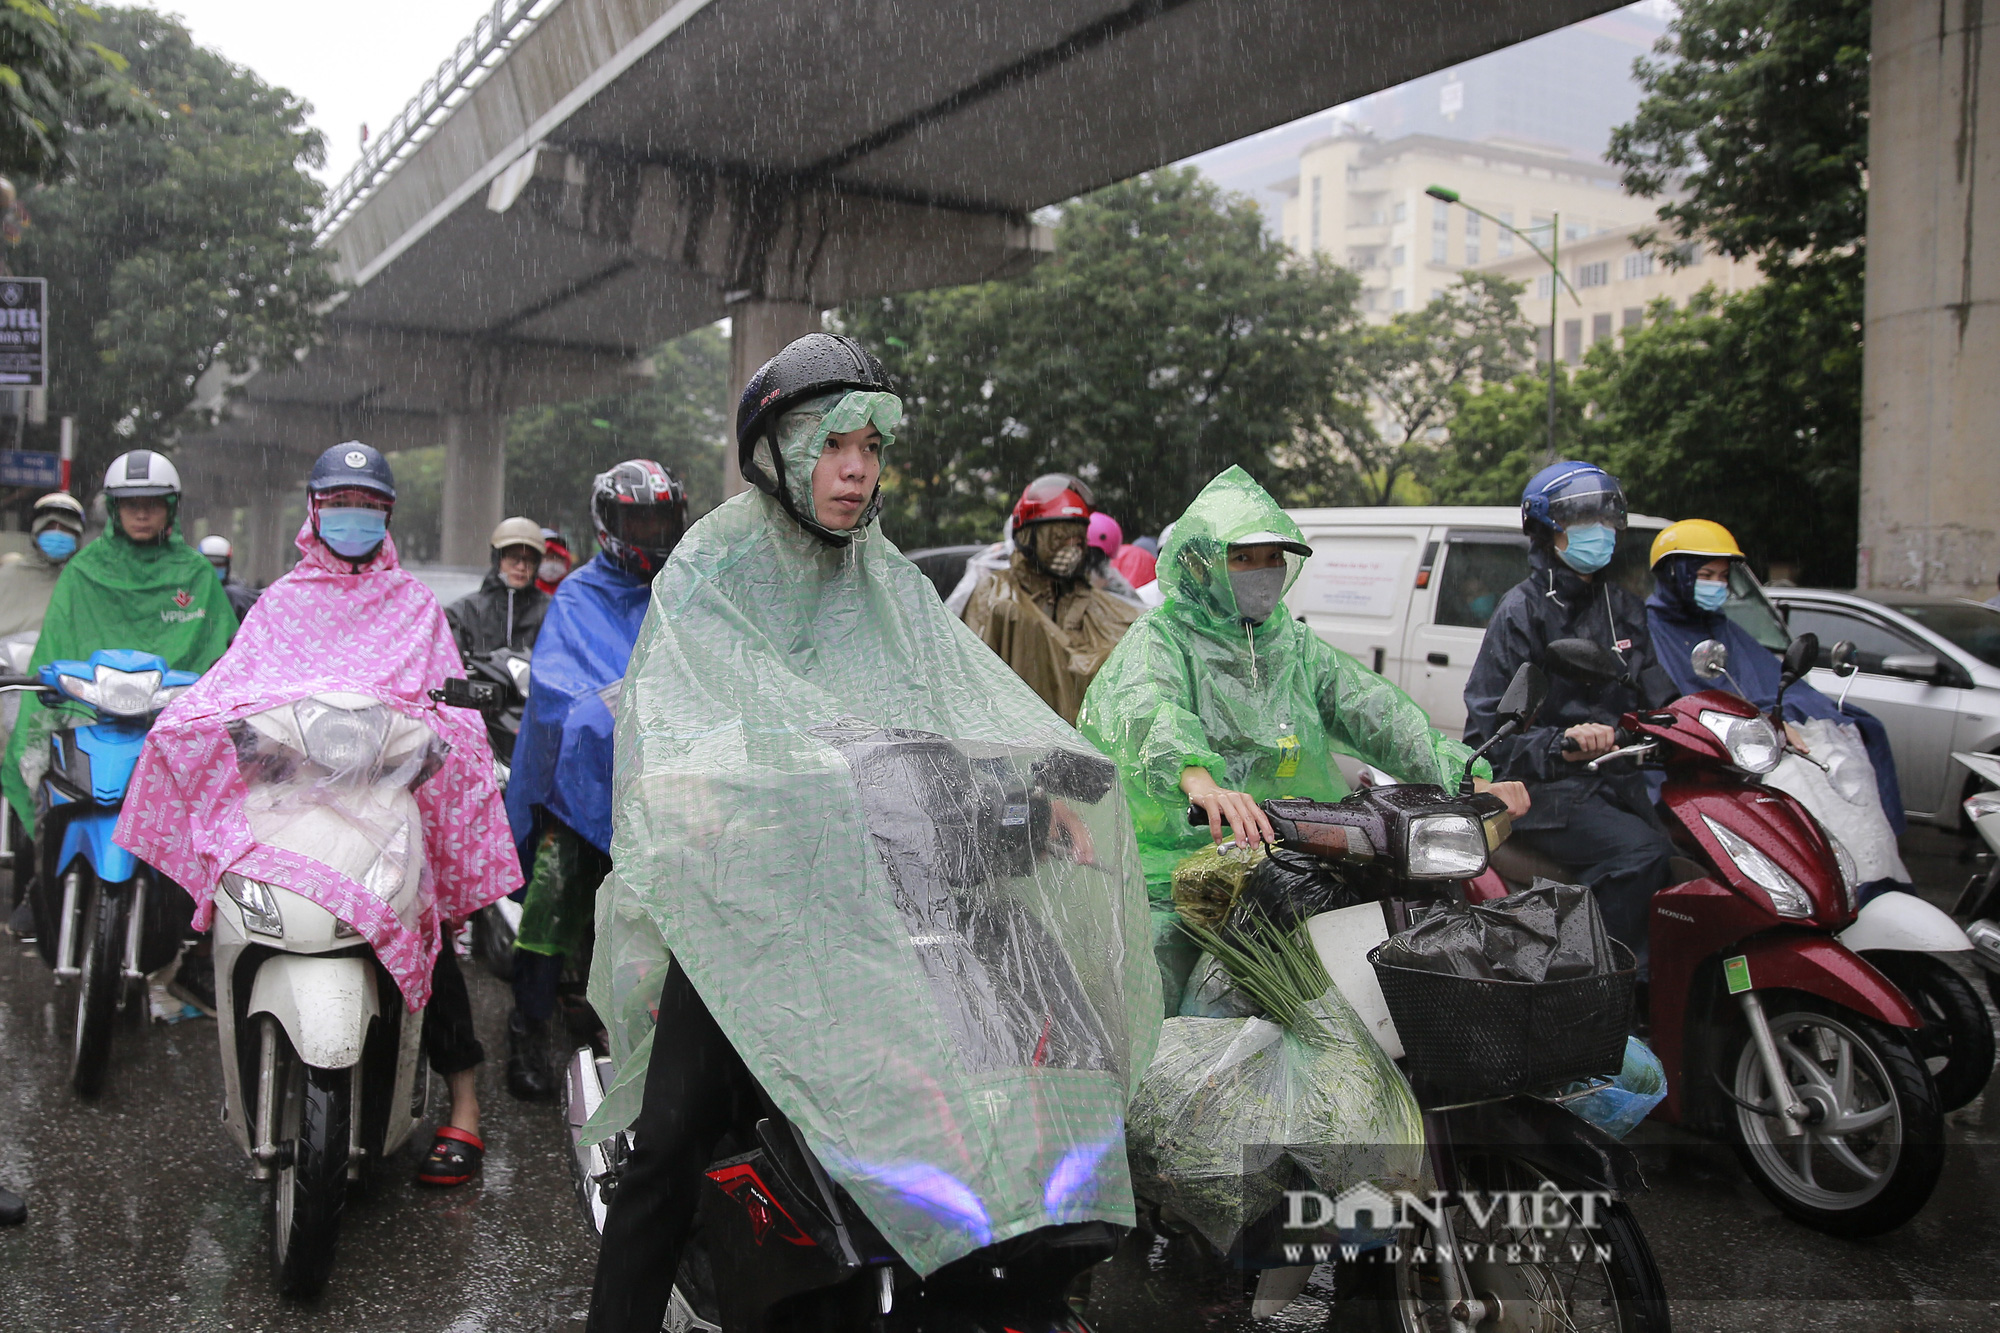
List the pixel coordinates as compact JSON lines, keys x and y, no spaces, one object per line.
{"x":1520,"y":865}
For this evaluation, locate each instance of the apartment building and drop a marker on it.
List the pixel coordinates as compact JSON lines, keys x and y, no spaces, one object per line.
{"x":1360,"y":202}
{"x":1615,"y":283}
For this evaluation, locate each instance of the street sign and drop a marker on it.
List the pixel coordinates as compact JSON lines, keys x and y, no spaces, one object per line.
{"x":24,"y":315}
{"x":19,"y":467}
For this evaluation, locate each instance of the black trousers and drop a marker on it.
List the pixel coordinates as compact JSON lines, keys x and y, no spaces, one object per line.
{"x":1622,"y":856}
{"x":450,"y":1043}
{"x":697,"y":1087}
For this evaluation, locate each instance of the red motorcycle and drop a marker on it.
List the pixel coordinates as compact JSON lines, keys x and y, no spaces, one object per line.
{"x":1775,"y":1035}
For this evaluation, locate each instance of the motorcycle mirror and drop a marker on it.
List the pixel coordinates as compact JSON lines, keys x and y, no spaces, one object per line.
{"x":1709,"y":659}
{"x":1800,"y":657}
{"x":1584,"y":660}
{"x":460,"y":693}
{"x":1524,"y":695}
{"x":1846,"y":658}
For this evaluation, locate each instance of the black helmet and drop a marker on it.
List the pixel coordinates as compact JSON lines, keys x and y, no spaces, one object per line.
{"x":352,"y":465}
{"x":640,"y":510}
{"x":816,"y":364}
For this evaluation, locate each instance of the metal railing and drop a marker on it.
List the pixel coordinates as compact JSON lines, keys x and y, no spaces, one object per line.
{"x":498,"y":31}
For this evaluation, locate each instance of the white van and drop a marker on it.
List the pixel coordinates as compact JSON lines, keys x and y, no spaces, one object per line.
{"x":1409,"y":590}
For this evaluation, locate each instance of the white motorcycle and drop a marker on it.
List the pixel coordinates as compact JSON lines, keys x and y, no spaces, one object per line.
{"x":1979,"y":904}
{"x":320,"y":1056}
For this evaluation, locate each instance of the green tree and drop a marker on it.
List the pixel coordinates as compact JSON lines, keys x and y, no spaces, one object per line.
{"x":1168,"y":338}
{"x":181,"y":240}
{"x":1500,"y":433}
{"x":51,"y":75}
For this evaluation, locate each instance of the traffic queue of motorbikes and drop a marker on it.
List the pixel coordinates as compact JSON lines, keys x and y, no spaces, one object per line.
{"x":301,"y":819}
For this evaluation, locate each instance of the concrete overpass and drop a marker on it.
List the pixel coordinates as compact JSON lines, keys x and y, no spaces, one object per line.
{"x":586,"y":178}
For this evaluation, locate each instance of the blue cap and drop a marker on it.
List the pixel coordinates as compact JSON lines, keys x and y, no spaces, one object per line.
{"x":352,"y":464}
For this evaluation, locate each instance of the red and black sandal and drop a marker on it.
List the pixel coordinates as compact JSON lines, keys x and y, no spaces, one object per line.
{"x":454,"y":1157}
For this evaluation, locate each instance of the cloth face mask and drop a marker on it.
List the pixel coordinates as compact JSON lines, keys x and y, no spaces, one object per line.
{"x":1709,"y":595}
{"x":551,"y":571}
{"x":1258,"y":591}
{"x":56,"y":544}
{"x":352,"y":533}
{"x":1589,"y":548}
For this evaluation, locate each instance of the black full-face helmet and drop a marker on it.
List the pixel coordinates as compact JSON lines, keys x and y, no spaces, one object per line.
{"x":640,"y":511}
{"x":819,"y":363}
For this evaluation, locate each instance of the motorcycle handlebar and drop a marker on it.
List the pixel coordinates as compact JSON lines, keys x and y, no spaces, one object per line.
{"x":20,"y":682}
{"x":1620,"y":738}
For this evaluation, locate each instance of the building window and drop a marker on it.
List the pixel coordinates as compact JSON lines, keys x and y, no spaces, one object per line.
{"x":1396,"y":257}
{"x":1593,"y":275}
{"x":1634,"y":316}
{"x":1503,"y":240}
{"x":1575,"y":231}
{"x":1542,"y":223}
{"x":1440,"y":215}
{"x":1690,"y":253}
{"x":1438,"y":244}
{"x":1639,"y":265}
{"x":1396,"y":299}
{"x":1402,"y":212}
{"x":1542,"y":343}
{"x":1315,"y":214}
{"x":1367,"y":300}
{"x":1572,"y":340}
{"x":1545,"y":286}
{"x":1472,"y":238}
{"x":1600,"y":327}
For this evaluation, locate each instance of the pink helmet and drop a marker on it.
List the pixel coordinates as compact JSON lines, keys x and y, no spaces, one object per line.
{"x":1105,"y":534}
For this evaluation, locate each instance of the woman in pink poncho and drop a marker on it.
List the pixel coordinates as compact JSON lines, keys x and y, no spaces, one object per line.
{"x":346,"y":618}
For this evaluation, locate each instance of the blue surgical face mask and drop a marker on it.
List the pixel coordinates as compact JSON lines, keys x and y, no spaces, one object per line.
{"x":55,"y":543}
{"x":1710,"y":595}
{"x":1589,"y":548}
{"x":352,"y":533}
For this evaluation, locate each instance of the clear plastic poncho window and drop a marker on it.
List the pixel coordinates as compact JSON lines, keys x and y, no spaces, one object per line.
{"x":862,"y":836}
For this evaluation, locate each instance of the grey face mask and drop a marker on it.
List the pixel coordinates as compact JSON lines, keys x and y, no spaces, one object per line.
{"x":1258,"y":591}
{"x":1064,"y":562}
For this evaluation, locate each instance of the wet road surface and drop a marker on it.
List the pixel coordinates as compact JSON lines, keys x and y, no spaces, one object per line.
{"x":143,"y":1216}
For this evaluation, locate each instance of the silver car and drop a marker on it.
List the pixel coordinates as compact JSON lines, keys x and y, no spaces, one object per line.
{"x":1929,"y":668}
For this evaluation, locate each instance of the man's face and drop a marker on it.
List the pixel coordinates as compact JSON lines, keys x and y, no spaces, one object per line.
{"x":143,"y":520}
{"x":517,"y":566}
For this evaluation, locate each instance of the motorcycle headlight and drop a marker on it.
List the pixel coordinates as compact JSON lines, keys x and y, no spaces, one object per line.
{"x":1752,"y":742}
{"x":259,"y":904}
{"x":517,"y":667}
{"x":341,"y":740}
{"x":1788,"y":898}
{"x":126,"y":693}
{"x":79,"y":689}
{"x":1445,"y":847}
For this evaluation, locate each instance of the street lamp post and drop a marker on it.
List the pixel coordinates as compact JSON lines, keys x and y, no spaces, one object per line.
{"x":1556,"y":283}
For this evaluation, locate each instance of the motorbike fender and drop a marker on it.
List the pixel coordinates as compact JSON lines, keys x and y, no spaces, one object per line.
{"x":1830,"y":970}
{"x":323,"y":1004}
{"x":1905,"y":923}
{"x":1559,"y":1141}
{"x":88,"y":834}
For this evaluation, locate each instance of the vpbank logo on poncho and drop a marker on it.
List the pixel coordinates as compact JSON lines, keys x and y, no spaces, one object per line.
{"x":183,"y":599}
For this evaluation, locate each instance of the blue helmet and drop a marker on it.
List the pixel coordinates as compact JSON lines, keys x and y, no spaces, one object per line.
{"x":1565,"y":494}
{"x":353,"y":464}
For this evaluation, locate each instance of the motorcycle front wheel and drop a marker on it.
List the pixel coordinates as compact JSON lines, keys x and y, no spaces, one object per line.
{"x":1585,"y":1268}
{"x":1873,"y":1148}
{"x":100,"y":983}
{"x":309,"y":1189}
{"x":1956,"y":1040}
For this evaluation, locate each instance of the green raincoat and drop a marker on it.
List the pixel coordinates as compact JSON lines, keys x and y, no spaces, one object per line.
{"x":1264,"y":710}
{"x":162,"y":598}
{"x":837,"y":808}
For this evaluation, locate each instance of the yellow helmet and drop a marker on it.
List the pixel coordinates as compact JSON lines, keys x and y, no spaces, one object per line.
{"x":1695,"y":536}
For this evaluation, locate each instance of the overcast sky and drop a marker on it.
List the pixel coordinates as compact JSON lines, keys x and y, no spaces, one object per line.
{"x":355,"y":61}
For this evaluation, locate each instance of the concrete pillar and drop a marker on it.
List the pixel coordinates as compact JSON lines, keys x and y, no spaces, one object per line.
{"x":475,"y":484}
{"x":1930,"y":470}
{"x":758,"y":331}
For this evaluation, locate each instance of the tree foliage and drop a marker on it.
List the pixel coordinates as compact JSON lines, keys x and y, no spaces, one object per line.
{"x":181,"y":239}
{"x":52,"y":75}
{"x":1168,"y":338}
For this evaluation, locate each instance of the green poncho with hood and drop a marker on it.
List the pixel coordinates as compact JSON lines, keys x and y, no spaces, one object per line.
{"x":162,"y":598}
{"x":841,"y":814}
{"x":1264,"y":709}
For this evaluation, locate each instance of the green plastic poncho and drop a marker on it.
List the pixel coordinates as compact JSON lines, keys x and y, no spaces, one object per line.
{"x":1264,"y":710}
{"x":842,"y":814}
{"x":159,"y":598}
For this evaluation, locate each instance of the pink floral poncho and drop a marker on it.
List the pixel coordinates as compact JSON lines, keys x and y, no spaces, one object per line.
{"x":325,"y":629}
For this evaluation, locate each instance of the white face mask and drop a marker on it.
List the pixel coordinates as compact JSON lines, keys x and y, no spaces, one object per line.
{"x":552,"y":571}
{"x":1258,"y":591}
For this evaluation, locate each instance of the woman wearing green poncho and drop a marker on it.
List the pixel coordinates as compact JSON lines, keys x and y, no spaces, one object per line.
{"x":139,"y":586}
{"x":1219,"y":698}
{"x":902,"y":896}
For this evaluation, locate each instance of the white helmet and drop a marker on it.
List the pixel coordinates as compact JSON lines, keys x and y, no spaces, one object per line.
{"x":139,"y":475}
{"x":216,"y":547}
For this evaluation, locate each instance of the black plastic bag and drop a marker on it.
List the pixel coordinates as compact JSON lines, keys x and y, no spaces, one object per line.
{"x":1551,"y":932}
{"x":1287,"y":887}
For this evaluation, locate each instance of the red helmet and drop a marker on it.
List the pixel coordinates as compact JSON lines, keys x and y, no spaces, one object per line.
{"x":1057,"y":495}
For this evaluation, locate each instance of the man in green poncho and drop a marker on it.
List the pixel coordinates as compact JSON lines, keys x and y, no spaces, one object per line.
{"x":139,"y":586}
{"x":1220,"y":699}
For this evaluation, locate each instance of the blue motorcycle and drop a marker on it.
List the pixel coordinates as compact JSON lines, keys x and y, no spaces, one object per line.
{"x":103,"y":919}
